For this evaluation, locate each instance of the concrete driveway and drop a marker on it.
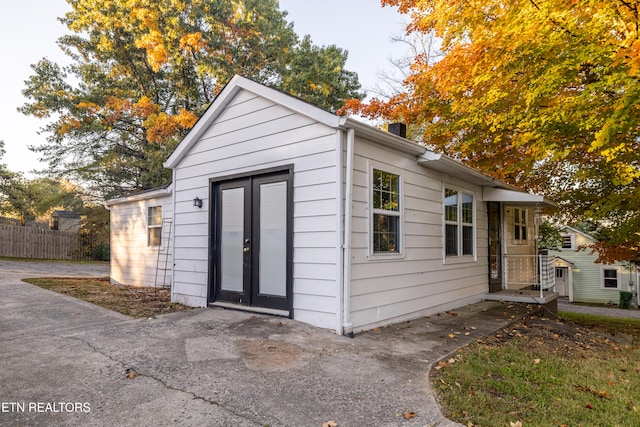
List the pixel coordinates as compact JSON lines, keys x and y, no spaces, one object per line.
{"x":67,"y":362}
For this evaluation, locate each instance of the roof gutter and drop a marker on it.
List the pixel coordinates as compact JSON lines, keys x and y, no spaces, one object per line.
{"x":143,"y":195}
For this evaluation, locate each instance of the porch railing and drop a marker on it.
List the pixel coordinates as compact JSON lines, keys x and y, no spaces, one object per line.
{"x":528,"y":270}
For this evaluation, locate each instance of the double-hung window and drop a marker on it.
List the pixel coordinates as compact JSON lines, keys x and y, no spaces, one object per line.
{"x":520,"y":225}
{"x":459,"y":223}
{"x":611,"y":278}
{"x":154,"y":226}
{"x":386,"y":218}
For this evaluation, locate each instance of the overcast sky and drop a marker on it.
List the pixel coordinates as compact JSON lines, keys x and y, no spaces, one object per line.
{"x":29,"y":30}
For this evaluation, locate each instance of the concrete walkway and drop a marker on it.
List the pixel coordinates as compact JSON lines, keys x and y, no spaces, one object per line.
{"x":67,"y":362}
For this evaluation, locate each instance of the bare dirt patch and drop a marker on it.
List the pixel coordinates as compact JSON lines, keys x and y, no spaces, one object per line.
{"x":132,"y":301}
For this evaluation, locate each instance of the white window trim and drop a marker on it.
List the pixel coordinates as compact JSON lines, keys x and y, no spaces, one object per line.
{"x":150,"y":226}
{"x":618,"y":277}
{"x":455,"y":259}
{"x":526,"y":226}
{"x":374,"y":256}
{"x":573,"y":241}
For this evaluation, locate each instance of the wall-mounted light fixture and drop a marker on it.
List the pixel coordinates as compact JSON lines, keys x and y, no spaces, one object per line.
{"x":197,"y":202}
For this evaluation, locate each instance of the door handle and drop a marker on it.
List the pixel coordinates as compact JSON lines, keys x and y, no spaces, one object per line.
{"x":245,"y":250}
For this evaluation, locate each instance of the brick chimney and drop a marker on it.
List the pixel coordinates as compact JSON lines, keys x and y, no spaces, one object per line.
{"x":399,"y":129}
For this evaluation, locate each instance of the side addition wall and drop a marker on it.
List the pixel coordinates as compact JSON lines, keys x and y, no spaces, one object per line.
{"x":133,"y":260}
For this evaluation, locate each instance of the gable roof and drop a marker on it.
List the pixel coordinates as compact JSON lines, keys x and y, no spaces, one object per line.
{"x":239,"y":83}
{"x":152,"y":193}
{"x":562,"y":262}
{"x":425,"y":157}
{"x":575,"y":230}
{"x":65,"y":214}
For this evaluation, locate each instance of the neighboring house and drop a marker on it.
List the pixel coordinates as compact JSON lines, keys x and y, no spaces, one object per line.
{"x":66,"y":221}
{"x":281,"y":207}
{"x":140,"y":238}
{"x":580,"y":278}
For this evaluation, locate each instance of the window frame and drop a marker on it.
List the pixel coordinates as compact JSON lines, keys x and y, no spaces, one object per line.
{"x":618,"y":277}
{"x":373,"y":211}
{"x":518,"y":225}
{"x":571,"y":238}
{"x":460,"y":224}
{"x":151,"y":226}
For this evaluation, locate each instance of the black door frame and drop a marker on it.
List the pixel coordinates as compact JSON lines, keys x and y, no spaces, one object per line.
{"x":250,"y":296}
{"x":495,"y":284}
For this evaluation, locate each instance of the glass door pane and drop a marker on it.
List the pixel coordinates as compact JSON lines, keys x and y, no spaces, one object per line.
{"x":273,"y":239}
{"x":232,"y":240}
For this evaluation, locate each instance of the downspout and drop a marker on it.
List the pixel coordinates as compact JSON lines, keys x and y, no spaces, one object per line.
{"x":173,"y":232}
{"x":347,"y":326}
{"x":340,"y":229}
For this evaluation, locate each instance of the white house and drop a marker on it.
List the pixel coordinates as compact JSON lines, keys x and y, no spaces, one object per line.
{"x":281,"y":207}
{"x":580,"y":278}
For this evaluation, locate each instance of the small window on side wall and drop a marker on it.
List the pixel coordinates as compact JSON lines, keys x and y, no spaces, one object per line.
{"x":386,"y":212}
{"x":154,"y":226}
{"x":610,"y":278}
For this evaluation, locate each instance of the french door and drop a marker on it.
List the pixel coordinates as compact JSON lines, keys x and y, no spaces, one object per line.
{"x":252,"y":241}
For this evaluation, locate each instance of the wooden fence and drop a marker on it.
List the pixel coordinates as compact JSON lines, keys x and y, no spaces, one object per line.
{"x":18,"y":241}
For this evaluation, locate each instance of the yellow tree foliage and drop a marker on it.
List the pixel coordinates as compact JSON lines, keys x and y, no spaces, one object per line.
{"x":143,"y":71}
{"x":541,"y":93}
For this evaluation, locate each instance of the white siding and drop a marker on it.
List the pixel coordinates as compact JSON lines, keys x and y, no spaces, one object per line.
{"x":419,"y":282}
{"x":252,"y":134}
{"x":133,"y":262}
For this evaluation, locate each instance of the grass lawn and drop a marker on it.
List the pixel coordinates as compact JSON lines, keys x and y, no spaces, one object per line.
{"x":129,"y":300}
{"x":577,"y":371}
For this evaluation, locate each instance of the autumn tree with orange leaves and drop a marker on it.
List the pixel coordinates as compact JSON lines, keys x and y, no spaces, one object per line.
{"x":544,"y":94}
{"x":143,"y":71}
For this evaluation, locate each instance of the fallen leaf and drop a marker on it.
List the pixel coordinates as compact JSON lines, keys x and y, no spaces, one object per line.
{"x":589,"y":406}
{"x":451,"y":336}
{"x":516,"y":424}
{"x":330,"y":424}
{"x":131,"y":375}
{"x":536,"y":361}
{"x":409,"y":415}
